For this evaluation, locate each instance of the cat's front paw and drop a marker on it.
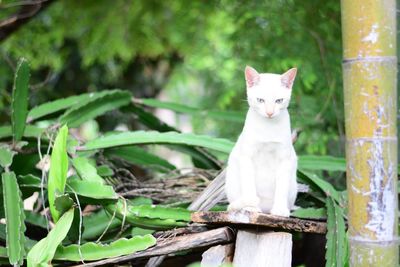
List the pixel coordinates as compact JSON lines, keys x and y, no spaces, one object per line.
{"x":280,"y":211}
{"x":245,"y":204}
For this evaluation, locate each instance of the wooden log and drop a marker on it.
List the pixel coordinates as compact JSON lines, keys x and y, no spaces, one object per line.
{"x":243,"y":217}
{"x":217,"y":255}
{"x":260,"y":249}
{"x":172,"y":245}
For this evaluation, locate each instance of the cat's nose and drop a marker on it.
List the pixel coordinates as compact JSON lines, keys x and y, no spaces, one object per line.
{"x":269,"y":114}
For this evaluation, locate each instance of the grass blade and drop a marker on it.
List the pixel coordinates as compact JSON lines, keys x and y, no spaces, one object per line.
{"x":58,"y":170}
{"x":14,"y":213}
{"x":20,"y":100}
{"x":43,"y":252}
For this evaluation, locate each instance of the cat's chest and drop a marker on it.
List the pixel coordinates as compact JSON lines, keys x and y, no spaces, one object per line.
{"x":268,"y":152}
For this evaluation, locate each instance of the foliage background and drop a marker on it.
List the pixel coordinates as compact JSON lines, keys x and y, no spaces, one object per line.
{"x":190,"y":52}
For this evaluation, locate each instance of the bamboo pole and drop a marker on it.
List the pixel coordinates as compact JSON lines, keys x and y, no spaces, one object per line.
{"x":370,"y":77}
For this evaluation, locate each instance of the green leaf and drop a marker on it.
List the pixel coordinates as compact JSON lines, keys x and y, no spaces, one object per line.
{"x":122,"y":211}
{"x":104,"y":171}
{"x":95,"y":107}
{"x":43,"y":252}
{"x":200,"y":158}
{"x":96,"y":223}
{"x":91,"y":189}
{"x":35,"y":219}
{"x":318,"y":184}
{"x":336,"y":244}
{"x":231,"y":116}
{"x":153,"y":137}
{"x":326,"y":163}
{"x":30,"y":131}
{"x":63,"y":203}
{"x":138,"y":156}
{"x":58,"y":170}
{"x":15,"y":226}
{"x":140,"y":231}
{"x":160,"y":212}
{"x":86,"y":170}
{"x":20,"y":99}
{"x":96,"y":251}
{"x":29,"y":180}
{"x":309,"y":213}
{"x":6,"y":157}
{"x":61,"y":104}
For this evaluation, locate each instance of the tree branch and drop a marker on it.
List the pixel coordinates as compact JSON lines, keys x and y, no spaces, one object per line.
{"x":28,"y":11}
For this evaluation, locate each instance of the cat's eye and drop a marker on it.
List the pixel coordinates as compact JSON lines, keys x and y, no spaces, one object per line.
{"x":279,"y":101}
{"x":260,"y":100}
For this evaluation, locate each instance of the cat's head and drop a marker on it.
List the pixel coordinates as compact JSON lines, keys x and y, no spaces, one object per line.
{"x":269,"y":93}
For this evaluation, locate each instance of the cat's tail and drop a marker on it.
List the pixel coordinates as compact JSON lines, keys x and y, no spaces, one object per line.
{"x":212,"y":194}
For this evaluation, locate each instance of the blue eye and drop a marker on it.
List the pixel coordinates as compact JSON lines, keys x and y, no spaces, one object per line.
{"x":279,"y":101}
{"x":260,"y":100}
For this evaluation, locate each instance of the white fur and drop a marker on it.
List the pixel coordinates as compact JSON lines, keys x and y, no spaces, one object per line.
{"x":261,"y":172}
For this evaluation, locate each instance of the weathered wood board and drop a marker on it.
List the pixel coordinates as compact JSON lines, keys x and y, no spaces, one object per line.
{"x":243,"y":217}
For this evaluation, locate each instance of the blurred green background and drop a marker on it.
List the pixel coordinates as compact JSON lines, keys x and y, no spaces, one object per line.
{"x":188,"y":52}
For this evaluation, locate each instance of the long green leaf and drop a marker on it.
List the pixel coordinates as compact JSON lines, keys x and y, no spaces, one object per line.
{"x":96,"y":251}
{"x":122,"y":211}
{"x":20,"y":99}
{"x":95,"y":107}
{"x":95,"y":224}
{"x":30,"y":131}
{"x":318,"y":184}
{"x":141,"y":157}
{"x":200,"y":158}
{"x":58,"y":170}
{"x":153,"y":137}
{"x":232,"y":116}
{"x":91,"y":189}
{"x":61,"y":104}
{"x":160,"y":212}
{"x":43,"y":252}
{"x":86,"y":170}
{"x":327,"y":163}
{"x":336,"y":245}
{"x":15,"y":226}
{"x":309,"y":213}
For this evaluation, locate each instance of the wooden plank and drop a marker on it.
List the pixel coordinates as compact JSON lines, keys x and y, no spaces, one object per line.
{"x":259,"y":249}
{"x":170,"y":245}
{"x":243,"y":217}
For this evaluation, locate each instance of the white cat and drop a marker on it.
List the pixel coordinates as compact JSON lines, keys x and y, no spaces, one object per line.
{"x":261,"y":172}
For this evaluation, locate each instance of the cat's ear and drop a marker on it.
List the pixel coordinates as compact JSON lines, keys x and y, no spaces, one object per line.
{"x":252,"y":76}
{"x":287,"y":78}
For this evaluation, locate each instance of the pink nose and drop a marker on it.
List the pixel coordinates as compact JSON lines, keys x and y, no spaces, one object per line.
{"x":269,"y":114}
